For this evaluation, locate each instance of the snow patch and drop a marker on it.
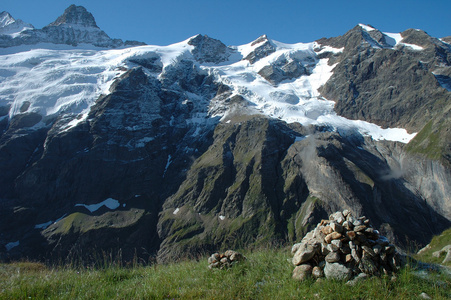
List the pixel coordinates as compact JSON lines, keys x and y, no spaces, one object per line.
{"x":367,"y":27}
{"x":11,"y":245}
{"x":176,"y":211}
{"x":110,"y":203}
{"x":43,"y":225}
{"x":300,"y":138}
{"x":413,"y":46}
{"x":168,"y":163}
{"x":222,"y":218}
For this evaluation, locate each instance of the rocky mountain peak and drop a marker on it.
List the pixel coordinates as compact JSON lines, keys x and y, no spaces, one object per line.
{"x":75,"y":15}
{"x":261,"y":39}
{"x":207,"y":49}
{"x":10,"y":26}
{"x":263,"y":47}
{"x":6,"y":19}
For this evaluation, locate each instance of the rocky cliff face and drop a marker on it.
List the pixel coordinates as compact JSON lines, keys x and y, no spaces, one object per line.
{"x":398,"y":84}
{"x":167,"y":152}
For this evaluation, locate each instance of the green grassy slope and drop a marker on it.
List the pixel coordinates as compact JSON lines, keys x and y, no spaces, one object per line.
{"x":265,"y":275}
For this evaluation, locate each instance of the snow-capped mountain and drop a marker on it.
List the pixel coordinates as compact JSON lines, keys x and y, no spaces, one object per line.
{"x":74,"y":27}
{"x":199,"y":145}
{"x":10,"y":26}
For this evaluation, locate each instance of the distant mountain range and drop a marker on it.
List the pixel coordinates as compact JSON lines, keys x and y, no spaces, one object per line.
{"x":164,"y":152}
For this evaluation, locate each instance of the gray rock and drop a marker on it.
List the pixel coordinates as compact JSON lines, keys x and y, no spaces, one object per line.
{"x":332,"y":257}
{"x":423,"y":295}
{"x":337,"y":271}
{"x":369,"y":251}
{"x":304,"y":253}
{"x":337,"y":243}
{"x":338,"y":216}
{"x":348,"y":225}
{"x":317,"y":272}
{"x":367,"y":266}
{"x":295,"y":248}
{"x":377,"y":249}
{"x":359,"y":278}
{"x":355,"y":255}
{"x":302,"y":272}
{"x":359,"y":228}
{"x":442,"y":251}
{"x":447,"y":258}
{"x":336,"y":227}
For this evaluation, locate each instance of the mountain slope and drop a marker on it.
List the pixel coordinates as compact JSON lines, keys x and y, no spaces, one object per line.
{"x":170,"y":150}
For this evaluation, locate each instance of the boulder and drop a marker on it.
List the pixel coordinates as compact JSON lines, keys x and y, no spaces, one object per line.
{"x":337,"y":271}
{"x":302,"y":272}
{"x":304,"y":253}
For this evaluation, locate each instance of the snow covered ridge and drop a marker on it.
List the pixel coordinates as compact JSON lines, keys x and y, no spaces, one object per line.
{"x":392,"y":40}
{"x":61,"y":79}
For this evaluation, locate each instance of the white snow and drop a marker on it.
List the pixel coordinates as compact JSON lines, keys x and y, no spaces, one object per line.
{"x":413,"y":46}
{"x":295,"y":100}
{"x":366,"y":27}
{"x":58,"y":79}
{"x":43,"y":225}
{"x":11,"y":245}
{"x":176,"y":211}
{"x":168,"y":163}
{"x":222,"y":218}
{"x":110,"y":203}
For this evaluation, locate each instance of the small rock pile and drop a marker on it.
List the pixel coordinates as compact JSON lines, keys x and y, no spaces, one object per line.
{"x":224,"y":260}
{"x":344,"y":247}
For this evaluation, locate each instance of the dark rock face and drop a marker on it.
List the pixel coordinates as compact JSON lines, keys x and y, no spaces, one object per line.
{"x":207,"y":49}
{"x":393,"y":87}
{"x":126,"y":150}
{"x":264,"y":48}
{"x":75,"y":15}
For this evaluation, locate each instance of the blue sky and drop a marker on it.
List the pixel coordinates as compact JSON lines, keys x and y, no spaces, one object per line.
{"x":237,"y":22}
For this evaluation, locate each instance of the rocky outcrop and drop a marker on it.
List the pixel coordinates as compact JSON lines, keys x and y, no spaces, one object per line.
{"x":262,"y":48}
{"x":209,"y":50}
{"x":344,"y":248}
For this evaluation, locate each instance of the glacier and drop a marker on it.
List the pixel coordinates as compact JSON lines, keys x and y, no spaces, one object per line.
{"x":54,"y":80}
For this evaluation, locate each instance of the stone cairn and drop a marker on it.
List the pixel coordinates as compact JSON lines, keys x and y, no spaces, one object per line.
{"x":225,"y":260}
{"x":344,"y":248}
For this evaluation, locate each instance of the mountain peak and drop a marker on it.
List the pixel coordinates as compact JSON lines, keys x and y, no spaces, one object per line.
{"x":76,"y":15}
{"x":261,"y":39}
{"x":6,"y":19}
{"x":207,"y":49}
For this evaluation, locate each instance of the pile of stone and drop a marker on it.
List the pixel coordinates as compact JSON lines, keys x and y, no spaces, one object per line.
{"x":344,"y":248}
{"x":224,"y":260}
